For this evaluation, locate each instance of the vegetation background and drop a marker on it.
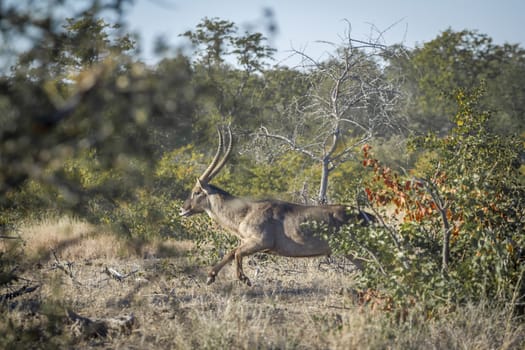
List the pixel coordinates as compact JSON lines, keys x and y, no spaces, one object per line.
{"x":98,"y":150}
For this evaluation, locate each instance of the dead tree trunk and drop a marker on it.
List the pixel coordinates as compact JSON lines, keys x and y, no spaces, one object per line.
{"x":323,"y":185}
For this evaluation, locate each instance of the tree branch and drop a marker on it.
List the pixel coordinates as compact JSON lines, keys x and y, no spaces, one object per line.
{"x":289,"y":142}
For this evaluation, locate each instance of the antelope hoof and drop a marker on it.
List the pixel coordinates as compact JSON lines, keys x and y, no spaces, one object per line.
{"x":210,"y":280}
{"x":246,"y":280}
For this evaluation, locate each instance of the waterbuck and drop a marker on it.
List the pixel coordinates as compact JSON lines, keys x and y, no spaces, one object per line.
{"x":269,"y":226}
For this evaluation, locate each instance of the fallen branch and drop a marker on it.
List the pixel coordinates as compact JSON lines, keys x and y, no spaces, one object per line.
{"x":17,"y":293}
{"x":117,"y":275}
{"x":86,"y":327}
{"x":100,"y":328}
{"x":122,"y":324}
{"x":67,"y":267}
{"x":9,"y":237}
{"x":114,"y":274}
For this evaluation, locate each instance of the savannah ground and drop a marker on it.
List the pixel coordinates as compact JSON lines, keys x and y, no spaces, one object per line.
{"x":293,"y":303}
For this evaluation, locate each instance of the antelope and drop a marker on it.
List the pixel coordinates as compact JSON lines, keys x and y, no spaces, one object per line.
{"x":268,"y":226}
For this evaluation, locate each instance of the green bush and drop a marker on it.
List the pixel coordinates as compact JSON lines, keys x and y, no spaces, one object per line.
{"x":462,"y":235}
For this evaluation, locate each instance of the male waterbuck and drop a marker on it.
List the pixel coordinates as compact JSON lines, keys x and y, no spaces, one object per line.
{"x":269,"y":226}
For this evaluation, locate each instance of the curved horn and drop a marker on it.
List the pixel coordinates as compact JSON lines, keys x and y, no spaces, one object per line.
{"x":223,"y":160}
{"x":205,"y":177}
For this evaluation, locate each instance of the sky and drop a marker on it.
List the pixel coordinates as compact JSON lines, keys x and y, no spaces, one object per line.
{"x":303,"y":24}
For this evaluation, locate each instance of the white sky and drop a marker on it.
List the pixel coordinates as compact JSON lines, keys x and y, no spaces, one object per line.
{"x":301,"y":23}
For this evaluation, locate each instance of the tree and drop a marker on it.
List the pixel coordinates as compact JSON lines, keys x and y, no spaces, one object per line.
{"x":41,"y":100}
{"x":78,"y":91}
{"x":349,"y":101}
{"x":214,"y":40}
{"x":211,"y":40}
{"x":455,"y":60}
{"x":228,"y":67}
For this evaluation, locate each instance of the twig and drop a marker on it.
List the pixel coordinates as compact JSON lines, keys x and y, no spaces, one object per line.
{"x":100,"y":328}
{"x":192,"y":278}
{"x":87,"y":327}
{"x":339,"y":307}
{"x":114,"y":274}
{"x":289,"y":142}
{"x":442,"y":206}
{"x":17,"y":293}
{"x":67,"y":267}
{"x":117,"y":275}
{"x":512,"y":305}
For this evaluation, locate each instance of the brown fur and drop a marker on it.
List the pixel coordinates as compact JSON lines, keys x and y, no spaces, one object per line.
{"x":269,"y":226}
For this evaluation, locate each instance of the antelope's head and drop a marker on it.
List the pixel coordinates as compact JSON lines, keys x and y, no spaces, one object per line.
{"x":198,"y":201}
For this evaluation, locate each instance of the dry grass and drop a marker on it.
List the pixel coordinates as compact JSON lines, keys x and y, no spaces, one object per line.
{"x":293,"y":304}
{"x":72,"y":238}
{"x":76,"y":240}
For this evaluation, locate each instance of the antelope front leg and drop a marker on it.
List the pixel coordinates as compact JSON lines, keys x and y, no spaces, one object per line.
{"x":238,"y":253}
{"x":215,"y":269}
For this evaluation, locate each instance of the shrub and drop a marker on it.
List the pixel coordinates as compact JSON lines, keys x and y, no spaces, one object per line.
{"x":462,"y":230}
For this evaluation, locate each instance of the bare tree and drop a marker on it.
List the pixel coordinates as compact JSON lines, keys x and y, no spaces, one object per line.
{"x":350,"y":101}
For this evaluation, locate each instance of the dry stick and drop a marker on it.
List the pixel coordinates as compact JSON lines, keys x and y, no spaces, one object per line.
{"x":17,"y":293}
{"x":374,"y":258}
{"x":88,"y":327}
{"x":66,"y":267}
{"x":392,"y":234}
{"x":511,"y":309}
{"x":192,"y":278}
{"x":114,"y":274}
{"x":117,"y":275}
{"x":101,"y":328}
{"x":442,"y":207}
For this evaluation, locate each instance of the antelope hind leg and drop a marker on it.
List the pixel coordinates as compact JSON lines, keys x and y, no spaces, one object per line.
{"x":246,"y":249}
